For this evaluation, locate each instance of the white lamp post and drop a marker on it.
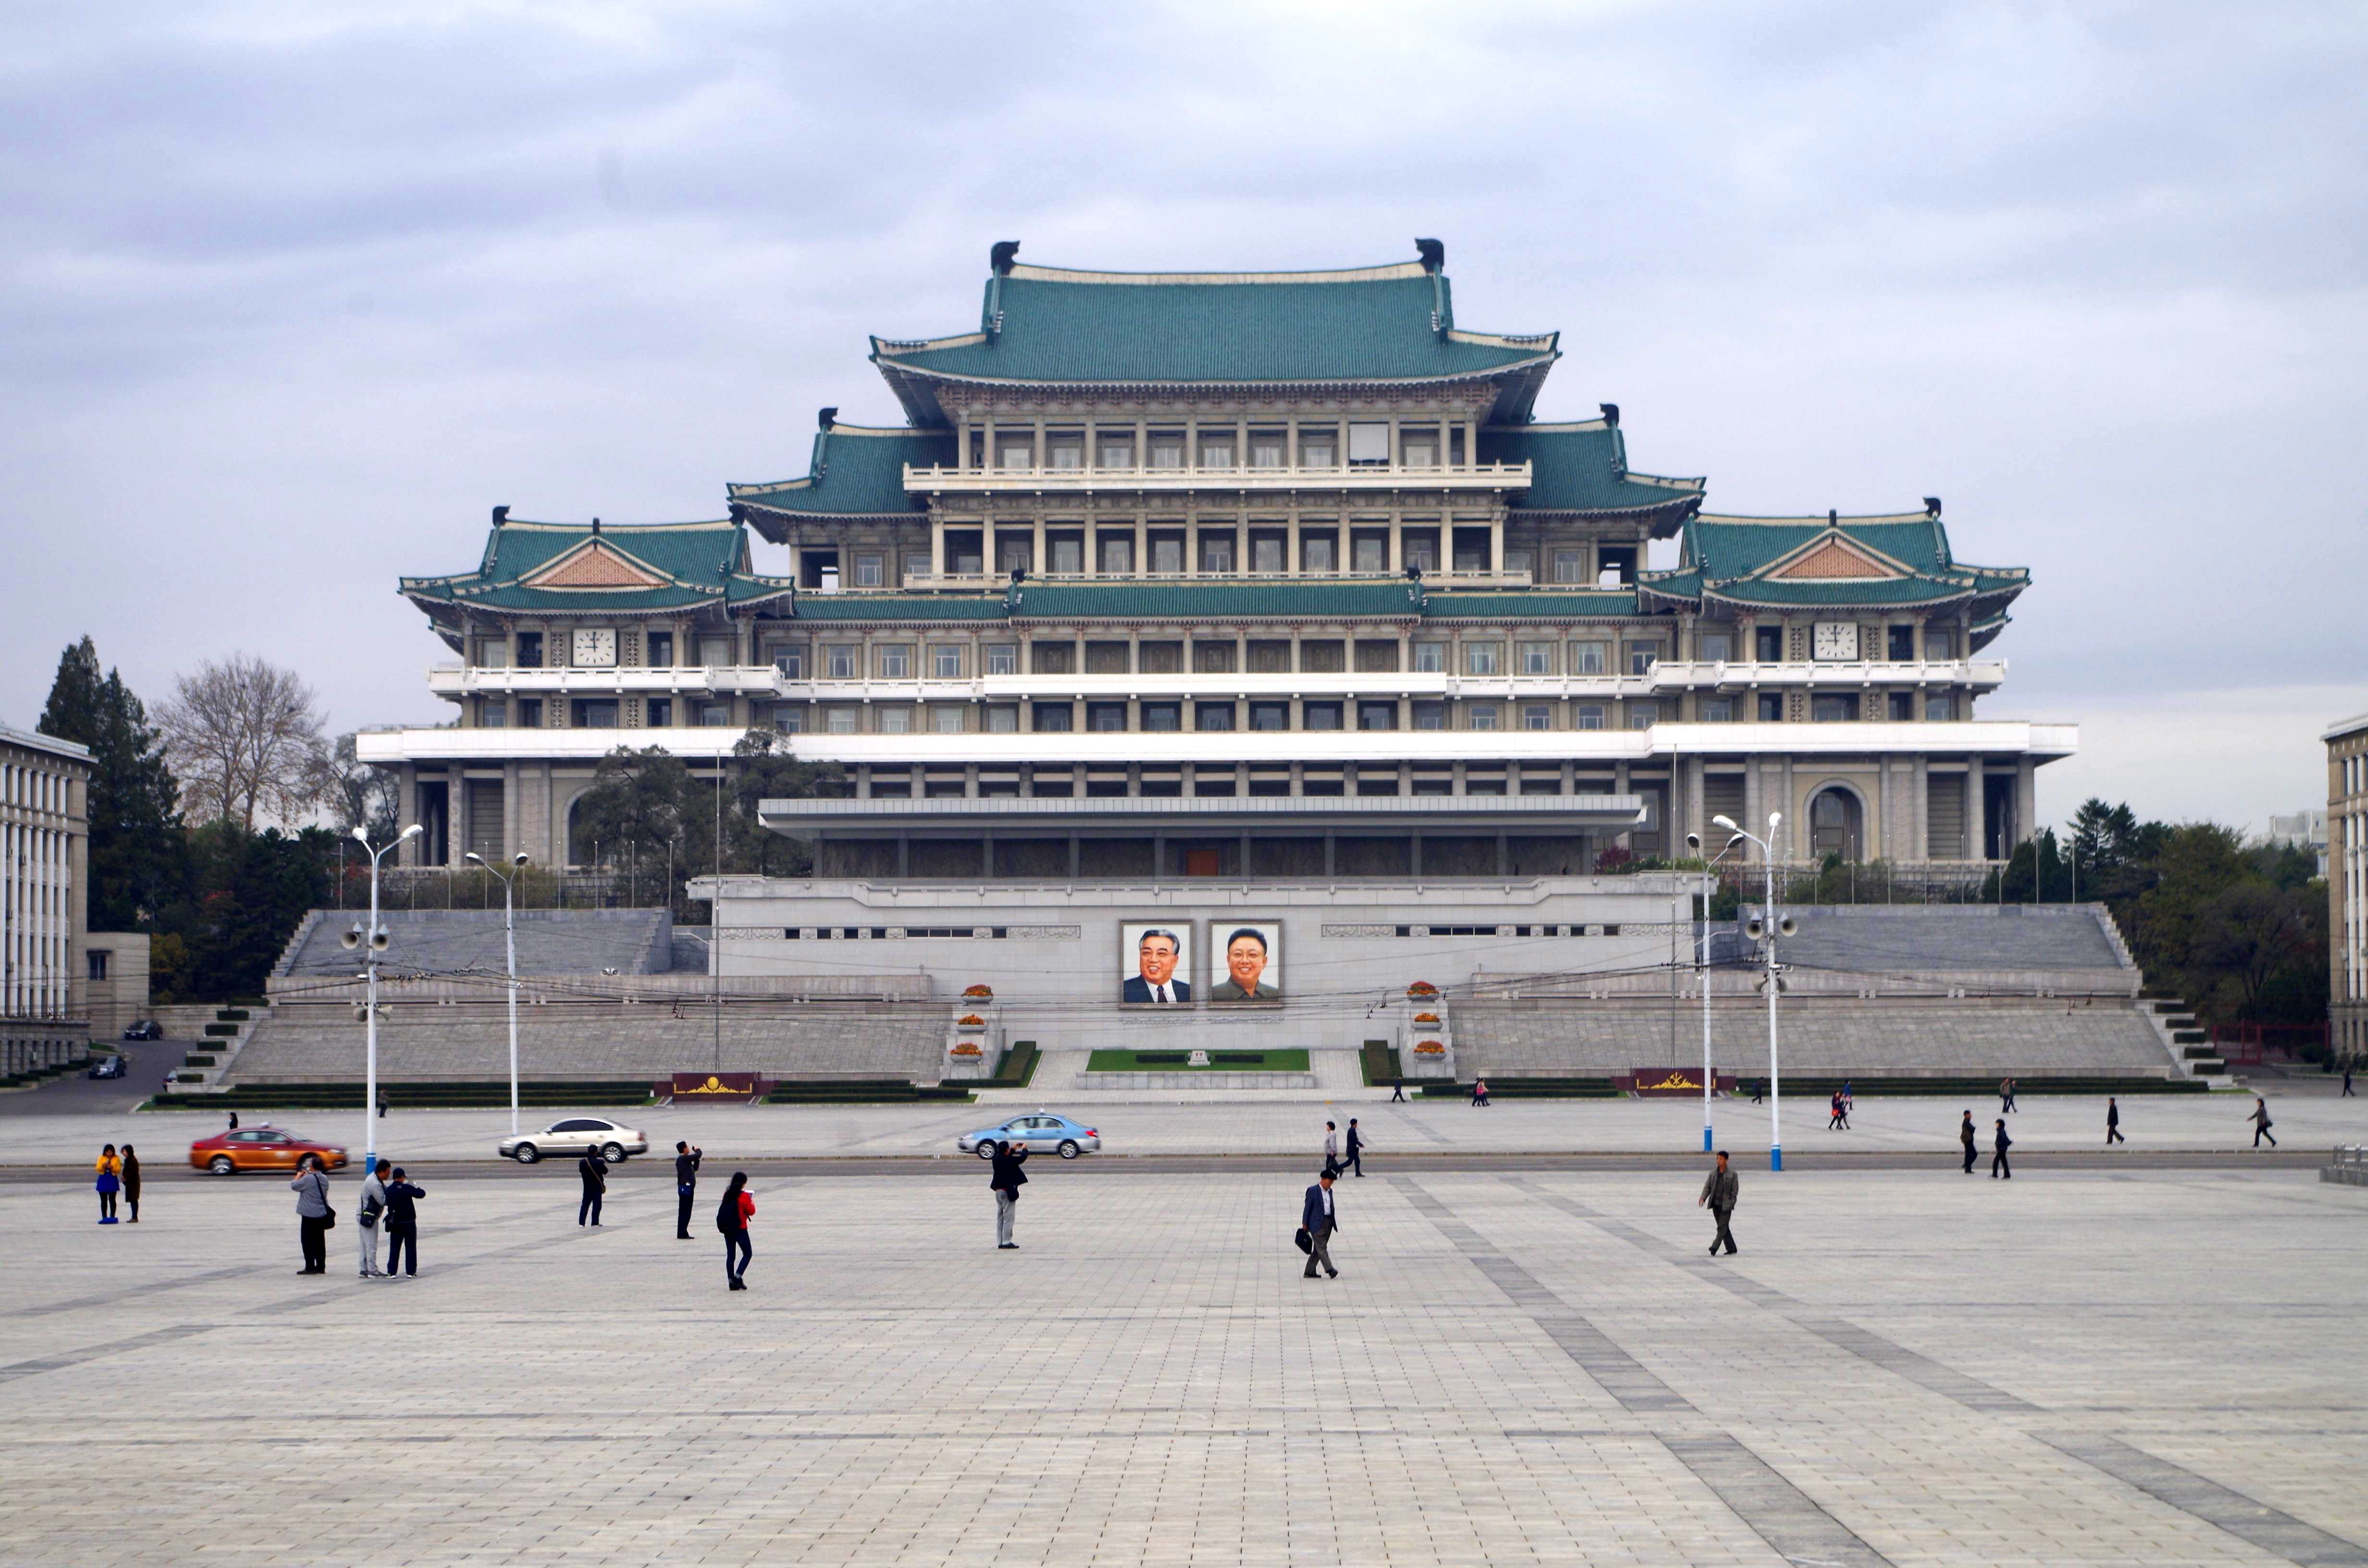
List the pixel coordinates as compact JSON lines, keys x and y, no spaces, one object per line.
{"x":509,"y":956}
{"x":372,"y":946}
{"x":1770,"y":926}
{"x":1702,"y":951}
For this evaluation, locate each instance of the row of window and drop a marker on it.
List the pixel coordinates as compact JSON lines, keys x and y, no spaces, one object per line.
{"x":2355,"y":774}
{"x":1205,"y":717}
{"x":597,"y":648}
{"x":1366,"y":443}
{"x":949,"y":661}
{"x":1223,"y":717}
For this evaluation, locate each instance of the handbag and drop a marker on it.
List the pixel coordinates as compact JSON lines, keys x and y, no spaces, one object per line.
{"x":1300,"y":1239}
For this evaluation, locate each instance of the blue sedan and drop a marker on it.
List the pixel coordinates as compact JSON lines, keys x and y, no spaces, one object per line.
{"x":1036,"y":1134}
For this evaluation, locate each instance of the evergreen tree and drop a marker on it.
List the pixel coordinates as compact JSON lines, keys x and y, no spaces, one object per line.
{"x":138,"y":863}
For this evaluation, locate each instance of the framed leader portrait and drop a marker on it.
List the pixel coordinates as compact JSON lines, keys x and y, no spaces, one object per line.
{"x":1248,"y":965}
{"x":1155,"y":962}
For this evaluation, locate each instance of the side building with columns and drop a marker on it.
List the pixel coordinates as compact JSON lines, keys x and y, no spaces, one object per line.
{"x":44,"y":854}
{"x":1151,"y":539}
{"x":2347,"y":886}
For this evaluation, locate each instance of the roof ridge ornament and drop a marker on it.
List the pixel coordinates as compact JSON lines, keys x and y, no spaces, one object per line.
{"x":1931,"y":505}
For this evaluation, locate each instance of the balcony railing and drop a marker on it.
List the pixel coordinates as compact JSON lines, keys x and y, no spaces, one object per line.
{"x":1350,"y":476}
{"x":1729,"y":675}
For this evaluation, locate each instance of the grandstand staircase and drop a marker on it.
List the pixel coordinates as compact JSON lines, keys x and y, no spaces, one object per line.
{"x":202,"y":1070}
{"x":2189,"y":1047}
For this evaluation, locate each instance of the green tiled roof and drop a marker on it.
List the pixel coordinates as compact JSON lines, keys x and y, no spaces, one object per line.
{"x":1052,"y":325}
{"x":1217,"y":601}
{"x":1740,"y":561}
{"x":827,"y":608}
{"x":855,"y":471}
{"x":696,"y":564}
{"x":1581,"y":468}
{"x":1529,"y":605}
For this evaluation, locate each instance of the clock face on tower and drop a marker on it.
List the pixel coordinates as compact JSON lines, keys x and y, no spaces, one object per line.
{"x":1834,"y":640}
{"x":596,"y":647}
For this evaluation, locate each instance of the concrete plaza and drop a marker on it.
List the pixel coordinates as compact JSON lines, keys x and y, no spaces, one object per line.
{"x":1901,"y":1367}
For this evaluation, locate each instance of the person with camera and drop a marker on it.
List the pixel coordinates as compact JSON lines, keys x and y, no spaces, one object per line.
{"x":314,"y":1215}
{"x":402,"y":1225}
{"x":1006,"y":1179}
{"x":365,"y":1222}
{"x":686,"y":1185}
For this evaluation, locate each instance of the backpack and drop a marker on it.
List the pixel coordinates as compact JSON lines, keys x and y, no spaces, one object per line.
{"x":727,"y":1213}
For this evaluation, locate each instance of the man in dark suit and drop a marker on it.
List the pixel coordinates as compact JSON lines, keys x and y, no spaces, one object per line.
{"x":686,"y":1187}
{"x":1720,"y":1189}
{"x":1155,"y":953}
{"x":1319,"y":1218}
{"x":402,"y":1224}
{"x":595,"y":1172}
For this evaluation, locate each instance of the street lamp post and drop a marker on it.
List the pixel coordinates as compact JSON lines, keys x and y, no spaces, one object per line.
{"x":510,"y":959}
{"x":1694,"y":842}
{"x":372,"y":946}
{"x":1770,"y":928}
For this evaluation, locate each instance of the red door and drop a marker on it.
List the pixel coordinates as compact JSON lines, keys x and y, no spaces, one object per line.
{"x":1199,"y":862}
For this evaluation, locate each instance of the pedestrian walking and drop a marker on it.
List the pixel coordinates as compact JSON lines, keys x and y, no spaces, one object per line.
{"x":1007,"y":1178}
{"x":369,"y":1210}
{"x":108,"y":1183}
{"x":2006,"y":1096}
{"x":1838,"y":1113}
{"x":1760,"y":1093}
{"x":132,"y":1183}
{"x":233,"y":1121}
{"x":1319,"y":1218}
{"x":1331,"y":1147}
{"x":1356,"y":1150}
{"x":1397,"y":1088}
{"x":381,"y":1105}
{"x":732,"y":1217}
{"x":1965,"y":1136}
{"x":2260,"y":1120}
{"x":314,"y":1215}
{"x":595,"y":1172}
{"x":1999,"y":1166}
{"x":402,"y":1224}
{"x":2347,"y":1084}
{"x":1480,"y":1093}
{"x":1720,"y":1189}
{"x":1850,"y":1102}
{"x":2114,"y":1122}
{"x":686,"y":1187}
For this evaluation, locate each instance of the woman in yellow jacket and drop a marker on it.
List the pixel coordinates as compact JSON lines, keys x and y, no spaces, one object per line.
{"x":111,"y":1182}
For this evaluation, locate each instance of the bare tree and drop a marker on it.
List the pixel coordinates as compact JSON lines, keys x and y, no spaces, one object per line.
{"x":245,"y":739}
{"x":355,"y":793}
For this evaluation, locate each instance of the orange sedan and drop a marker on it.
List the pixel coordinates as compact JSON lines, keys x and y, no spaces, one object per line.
{"x":264,"y":1148}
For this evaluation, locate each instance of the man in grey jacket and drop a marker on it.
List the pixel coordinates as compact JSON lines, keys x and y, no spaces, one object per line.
{"x":311,"y":1189}
{"x":1720,"y":1189}
{"x":368,"y":1222}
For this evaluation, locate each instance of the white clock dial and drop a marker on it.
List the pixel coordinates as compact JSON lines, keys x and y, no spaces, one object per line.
{"x":1837,"y":640}
{"x":595,"y":648}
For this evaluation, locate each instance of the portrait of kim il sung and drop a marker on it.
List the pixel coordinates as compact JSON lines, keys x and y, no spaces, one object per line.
{"x":1252,"y":956}
{"x":1157,"y":963}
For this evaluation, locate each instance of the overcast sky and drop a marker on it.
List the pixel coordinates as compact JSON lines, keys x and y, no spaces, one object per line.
{"x":295,"y":292}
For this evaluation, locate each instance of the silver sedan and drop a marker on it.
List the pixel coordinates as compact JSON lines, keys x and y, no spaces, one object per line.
{"x":575,"y":1135}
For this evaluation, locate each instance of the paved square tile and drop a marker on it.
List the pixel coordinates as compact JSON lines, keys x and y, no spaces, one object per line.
{"x":1900,"y":1366}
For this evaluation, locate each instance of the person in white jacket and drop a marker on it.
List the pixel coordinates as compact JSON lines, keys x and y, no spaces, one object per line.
{"x":369,"y":1222}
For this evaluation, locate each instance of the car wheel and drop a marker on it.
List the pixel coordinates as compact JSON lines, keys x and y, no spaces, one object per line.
{"x":222,"y":1164}
{"x":526,"y":1153}
{"x":614,"y":1153}
{"x":987,"y":1150}
{"x":1069,"y":1150}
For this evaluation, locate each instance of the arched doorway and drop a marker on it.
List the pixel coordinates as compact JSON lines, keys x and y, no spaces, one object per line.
{"x":1836,"y":825}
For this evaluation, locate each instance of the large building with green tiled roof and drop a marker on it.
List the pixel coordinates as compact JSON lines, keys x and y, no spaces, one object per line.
{"x":1147,"y":539}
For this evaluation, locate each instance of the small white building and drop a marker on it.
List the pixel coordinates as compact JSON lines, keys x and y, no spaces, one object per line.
{"x":44,"y":844}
